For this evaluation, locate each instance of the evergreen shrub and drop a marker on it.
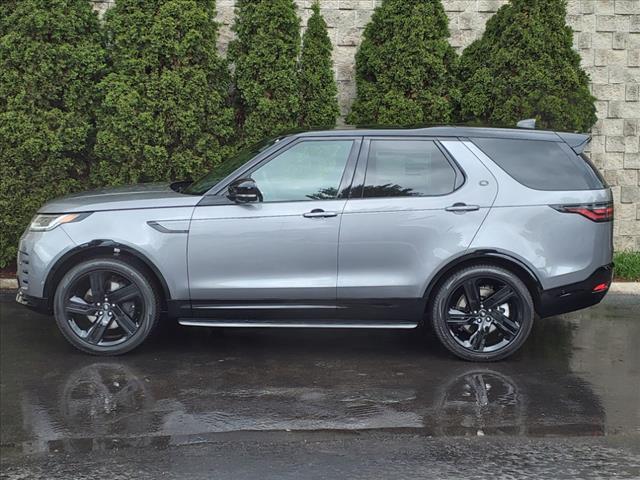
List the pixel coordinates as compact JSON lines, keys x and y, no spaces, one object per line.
{"x":265,"y":56}
{"x":317,"y":86}
{"x":524,"y":66}
{"x":51,"y":58}
{"x":405,"y":66}
{"x":165,"y":113}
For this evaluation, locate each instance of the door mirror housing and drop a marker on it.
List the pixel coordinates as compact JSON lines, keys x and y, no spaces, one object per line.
{"x":244,"y":190}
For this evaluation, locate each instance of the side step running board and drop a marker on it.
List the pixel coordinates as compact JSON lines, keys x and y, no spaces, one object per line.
{"x":200,"y":322}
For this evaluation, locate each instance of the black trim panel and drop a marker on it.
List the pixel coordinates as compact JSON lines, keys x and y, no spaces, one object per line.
{"x":575,"y":296}
{"x":263,"y":310}
{"x":357,"y":185}
{"x":162,"y":229}
{"x":399,"y":310}
{"x":40,"y":305}
{"x":387,"y":311}
{"x":178,"y":308}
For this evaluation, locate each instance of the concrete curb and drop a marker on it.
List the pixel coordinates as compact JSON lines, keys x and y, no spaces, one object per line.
{"x":625,"y":288}
{"x":8,"y":284}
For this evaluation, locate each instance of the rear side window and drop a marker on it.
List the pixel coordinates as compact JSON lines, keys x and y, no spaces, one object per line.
{"x":407,"y":168}
{"x":541,"y":165}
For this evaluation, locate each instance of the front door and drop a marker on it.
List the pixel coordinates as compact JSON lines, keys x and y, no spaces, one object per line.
{"x":277,"y":257}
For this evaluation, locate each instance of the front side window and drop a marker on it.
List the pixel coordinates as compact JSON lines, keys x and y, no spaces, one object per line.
{"x":407,"y":168}
{"x":310,"y":170}
{"x":204,"y":184}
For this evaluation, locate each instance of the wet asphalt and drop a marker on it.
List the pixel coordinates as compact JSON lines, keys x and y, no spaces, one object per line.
{"x":232,"y":403}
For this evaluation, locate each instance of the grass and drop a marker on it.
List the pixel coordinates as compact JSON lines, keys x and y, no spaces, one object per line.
{"x":627,"y":266}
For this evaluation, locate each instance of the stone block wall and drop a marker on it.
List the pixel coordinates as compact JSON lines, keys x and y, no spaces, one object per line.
{"x":607,"y":36}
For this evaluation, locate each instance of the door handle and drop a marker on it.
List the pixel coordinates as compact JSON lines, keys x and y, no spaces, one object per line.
{"x":462,"y":207}
{"x":319,"y":213}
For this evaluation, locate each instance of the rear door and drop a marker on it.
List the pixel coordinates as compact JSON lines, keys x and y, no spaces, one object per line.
{"x":416,"y":203}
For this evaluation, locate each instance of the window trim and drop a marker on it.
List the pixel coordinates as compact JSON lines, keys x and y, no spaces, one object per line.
{"x":220,"y":195}
{"x":363,"y":163}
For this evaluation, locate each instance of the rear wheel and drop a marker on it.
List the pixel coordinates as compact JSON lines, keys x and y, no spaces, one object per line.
{"x":482,"y":313}
{"x":106,"y":306}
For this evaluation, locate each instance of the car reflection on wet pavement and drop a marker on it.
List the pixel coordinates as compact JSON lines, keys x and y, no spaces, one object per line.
{"x":577,"y":378}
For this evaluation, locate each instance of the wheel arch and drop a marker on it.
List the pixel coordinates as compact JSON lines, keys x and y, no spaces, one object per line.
{"x":102,"y":248}
{"x":493,"y":257}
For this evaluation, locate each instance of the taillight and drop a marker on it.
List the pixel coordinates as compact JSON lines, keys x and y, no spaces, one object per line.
{"x":597,"y":212}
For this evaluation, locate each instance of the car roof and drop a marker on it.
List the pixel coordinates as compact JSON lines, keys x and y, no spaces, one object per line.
{"x":454,"y":131}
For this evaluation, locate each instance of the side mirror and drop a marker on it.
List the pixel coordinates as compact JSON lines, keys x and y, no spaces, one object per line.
{"x":244,"y":190}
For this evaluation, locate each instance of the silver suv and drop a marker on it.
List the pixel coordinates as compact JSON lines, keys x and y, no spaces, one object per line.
{"x":471,"y":230}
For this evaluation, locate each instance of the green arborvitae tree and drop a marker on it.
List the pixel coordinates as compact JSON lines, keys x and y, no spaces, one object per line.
{"x":524,"y":66}
{"x":165,"y":113}
{"x":51,"y":57}
{"x":6,"y":7}
{"x":405,"y":67}
{"x":318,"y":91}
{"x":265,"y":55}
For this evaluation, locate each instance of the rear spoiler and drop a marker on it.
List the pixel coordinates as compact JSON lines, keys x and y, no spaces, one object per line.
{"x":577,"y":141}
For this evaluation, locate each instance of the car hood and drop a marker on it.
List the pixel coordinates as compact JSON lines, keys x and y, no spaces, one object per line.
{"x":147,"y":195}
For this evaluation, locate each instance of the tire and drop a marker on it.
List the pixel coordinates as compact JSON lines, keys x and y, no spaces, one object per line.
{"x":122,"y":314}
{"x":498,"y":325}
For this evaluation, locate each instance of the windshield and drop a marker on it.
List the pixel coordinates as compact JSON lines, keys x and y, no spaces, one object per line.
{"x":227,"y":166}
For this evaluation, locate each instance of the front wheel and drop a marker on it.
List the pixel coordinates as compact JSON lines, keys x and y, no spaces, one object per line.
{"x":482,"y":313}
{"x":105,"y":306}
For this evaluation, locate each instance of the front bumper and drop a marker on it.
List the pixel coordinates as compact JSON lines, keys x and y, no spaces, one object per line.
{"x":575,"y":296}
{"x":39,"y":305}
{"x":38,"y":252}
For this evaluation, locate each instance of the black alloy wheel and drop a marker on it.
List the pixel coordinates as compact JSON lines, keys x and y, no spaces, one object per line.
{"x":106,"y":306}
{"x":483,"y":313}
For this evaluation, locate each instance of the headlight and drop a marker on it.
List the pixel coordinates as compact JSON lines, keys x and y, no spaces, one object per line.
{"x":46,"y":222}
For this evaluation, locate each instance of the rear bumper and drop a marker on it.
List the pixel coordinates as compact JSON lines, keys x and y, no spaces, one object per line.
{"x":575,"y":296}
